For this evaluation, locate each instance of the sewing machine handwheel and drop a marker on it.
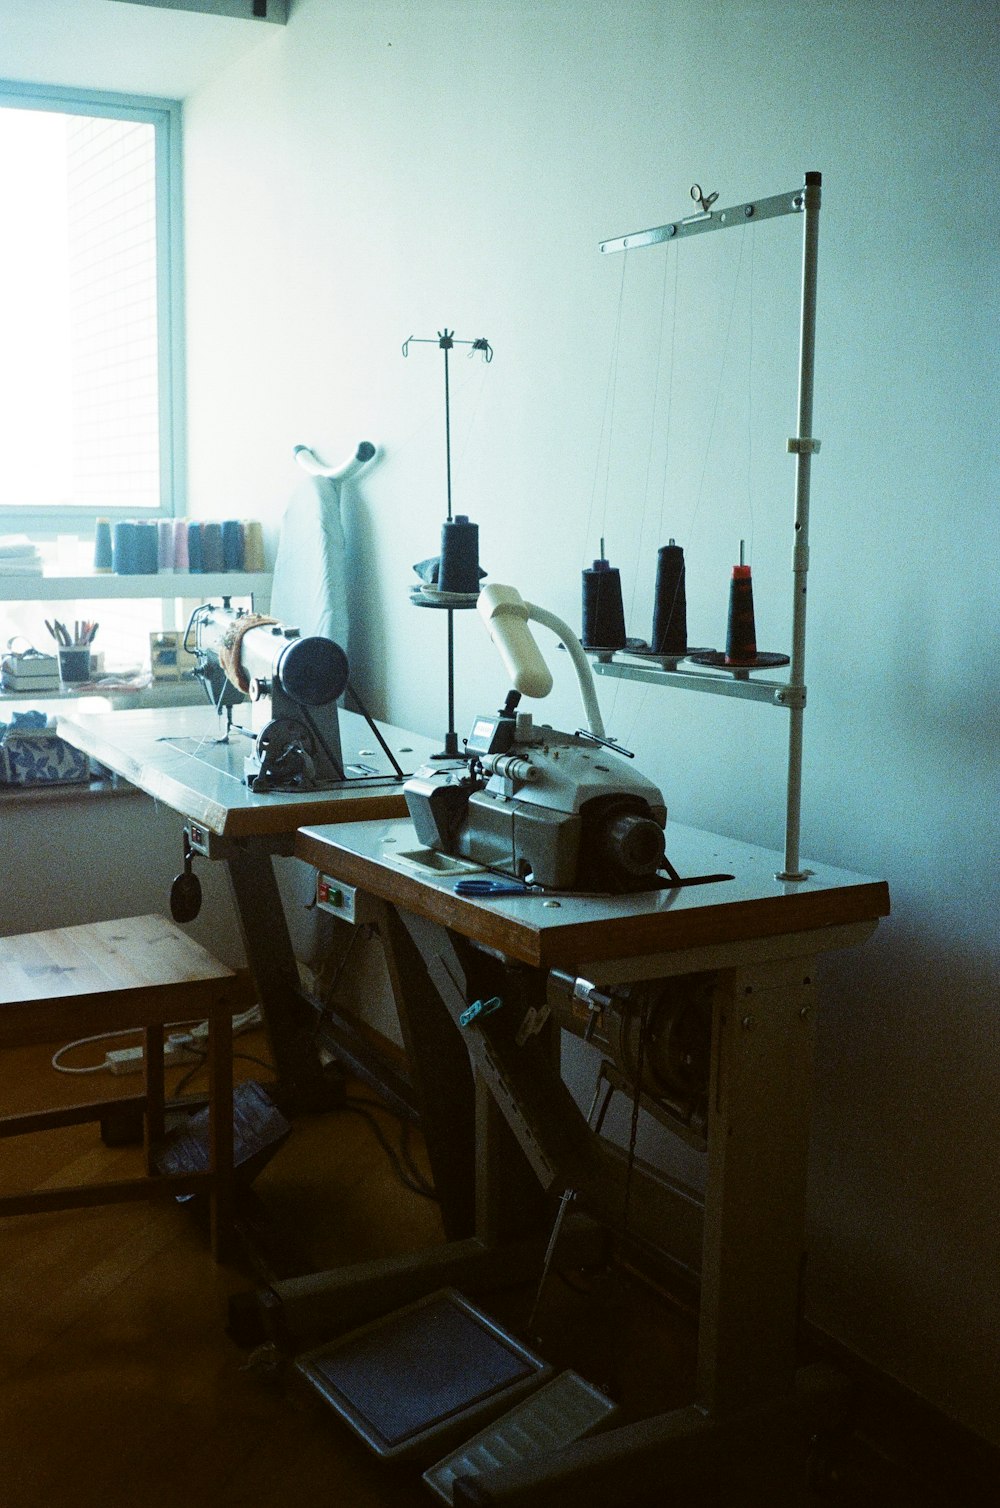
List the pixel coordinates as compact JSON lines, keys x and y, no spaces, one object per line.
{"x":280,"y":734}
{"x":185,"y":897}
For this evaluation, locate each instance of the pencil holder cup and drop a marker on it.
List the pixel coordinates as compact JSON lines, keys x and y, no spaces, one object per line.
{"x":74,"y":665}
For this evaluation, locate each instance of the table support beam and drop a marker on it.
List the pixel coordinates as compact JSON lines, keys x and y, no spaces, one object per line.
{"x":290,"y":1021}
{"x":304,"y":1310}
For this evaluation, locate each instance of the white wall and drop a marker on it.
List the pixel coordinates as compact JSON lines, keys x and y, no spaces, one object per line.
{"x":95,"y":858}
{"x":372,"y":172}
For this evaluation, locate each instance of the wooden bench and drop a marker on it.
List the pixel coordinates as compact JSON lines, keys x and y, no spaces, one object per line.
{"x":140,"y":972}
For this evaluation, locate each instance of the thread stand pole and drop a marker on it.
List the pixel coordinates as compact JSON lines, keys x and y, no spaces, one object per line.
{"x":450,"y":750}
{"x":804,"y":447}
{"x":445,"y":339}
{"x":446,"y":342}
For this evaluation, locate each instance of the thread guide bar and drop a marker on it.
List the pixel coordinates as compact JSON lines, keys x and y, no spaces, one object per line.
{"x":792,"y":203}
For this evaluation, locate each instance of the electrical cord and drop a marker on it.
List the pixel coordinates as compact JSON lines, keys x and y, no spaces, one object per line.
{"x":400,"y":1161}
{"x":192,"y":1073}
{"x":128,"y":1031}
{"x":199,"y":1027}
{"x":404,"y":1141}
{"x":329,"y":990}
{"x":640,"y":1066}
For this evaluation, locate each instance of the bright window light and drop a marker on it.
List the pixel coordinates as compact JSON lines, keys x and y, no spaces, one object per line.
{"x":86,"y":407}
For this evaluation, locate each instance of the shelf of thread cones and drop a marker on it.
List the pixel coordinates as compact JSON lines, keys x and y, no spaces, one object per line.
{"x":670,"y":660}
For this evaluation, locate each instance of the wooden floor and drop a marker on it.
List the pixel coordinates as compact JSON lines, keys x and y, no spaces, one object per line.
{"x":120,"y":1386}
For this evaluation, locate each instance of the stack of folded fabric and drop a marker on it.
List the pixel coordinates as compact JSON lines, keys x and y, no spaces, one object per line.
{"x":18,"y":556}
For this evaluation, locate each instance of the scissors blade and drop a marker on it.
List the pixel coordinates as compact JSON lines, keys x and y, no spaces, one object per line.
{"x":490,"y":887}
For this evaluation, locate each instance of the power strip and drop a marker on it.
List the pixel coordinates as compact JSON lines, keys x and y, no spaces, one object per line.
{"x":176,"y":1049}
{"x":179,"y":1047}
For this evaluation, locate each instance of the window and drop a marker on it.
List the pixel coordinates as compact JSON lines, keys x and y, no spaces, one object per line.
{"x":90,"y":316}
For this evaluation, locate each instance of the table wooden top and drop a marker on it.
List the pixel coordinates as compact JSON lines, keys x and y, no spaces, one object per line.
{"x":569,"y":931}
{"x":129,"y":953}
{"x":174,"y":755}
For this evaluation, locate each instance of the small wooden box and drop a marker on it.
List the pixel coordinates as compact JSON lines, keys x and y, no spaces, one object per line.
{"x":168,"y":659}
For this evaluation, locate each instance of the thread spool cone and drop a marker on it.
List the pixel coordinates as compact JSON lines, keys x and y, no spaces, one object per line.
{"x":165,"y":556}
{"x":212,"y":556}
{"x":194,"y":545}
{"x":670,"y":603}
{"x":458,"y":570}
{"x":741,"y":633}
{"x":232,"y":544}
{"x":181,"y":562}
{"x":603,"y":611}
{"x":253,"y":546}
{"x":103,"y":557}
{"x":125,"y":548}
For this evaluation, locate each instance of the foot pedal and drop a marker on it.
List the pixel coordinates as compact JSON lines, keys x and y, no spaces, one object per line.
{"x":417,"y":1381}
{"x":564,"y":1410}
{"x":259,"y":1129}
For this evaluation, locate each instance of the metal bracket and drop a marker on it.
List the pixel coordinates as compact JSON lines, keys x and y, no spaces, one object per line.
{"x":803,"y":447}
{"x":533,"y":1022}
{"x":790,"y":696}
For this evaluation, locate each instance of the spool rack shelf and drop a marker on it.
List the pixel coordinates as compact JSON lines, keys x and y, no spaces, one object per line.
{"x":715,"y":682}
{"x":790,"y":694}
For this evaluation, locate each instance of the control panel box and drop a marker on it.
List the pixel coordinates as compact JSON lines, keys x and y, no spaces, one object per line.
{"x":346,"y":901}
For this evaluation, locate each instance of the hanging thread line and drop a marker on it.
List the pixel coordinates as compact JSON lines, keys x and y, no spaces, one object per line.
{"x":607,"y":423}
{"x":629,"y":737}
{"x":652,"y":437}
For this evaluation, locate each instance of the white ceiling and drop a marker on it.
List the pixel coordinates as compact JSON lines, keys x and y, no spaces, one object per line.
{"x":136,"y":49}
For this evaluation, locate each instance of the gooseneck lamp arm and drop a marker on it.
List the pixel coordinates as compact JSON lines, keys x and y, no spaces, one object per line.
{"x":506,"y":615}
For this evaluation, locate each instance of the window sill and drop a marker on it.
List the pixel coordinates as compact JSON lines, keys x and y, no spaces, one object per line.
{"x":97,"y":698}
{"x":83,"y":790}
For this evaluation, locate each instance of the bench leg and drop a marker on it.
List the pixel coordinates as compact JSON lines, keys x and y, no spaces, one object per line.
{"x":155,"y":1118}
{"x":220,"y":1071}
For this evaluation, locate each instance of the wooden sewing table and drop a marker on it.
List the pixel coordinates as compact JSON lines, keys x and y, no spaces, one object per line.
{"x":175,"y":756}
{"x":755,"y":939}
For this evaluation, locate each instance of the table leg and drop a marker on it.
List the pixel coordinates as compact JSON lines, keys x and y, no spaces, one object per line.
{"x":154,"y":1115}
{"x":758,"y":1143}
{"x":221,"y":1132}
{"x":440,"y":1071}
{"x":290,"y":1021}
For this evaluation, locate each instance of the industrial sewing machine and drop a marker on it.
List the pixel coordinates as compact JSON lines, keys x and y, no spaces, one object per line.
{"x":562,"y":810}
{"x":292,"y":684}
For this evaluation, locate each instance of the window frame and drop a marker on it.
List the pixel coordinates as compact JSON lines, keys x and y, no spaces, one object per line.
{"x":165,"y":116}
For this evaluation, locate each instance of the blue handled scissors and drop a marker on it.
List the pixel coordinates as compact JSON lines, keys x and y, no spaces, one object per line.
{"x":486,"y":887}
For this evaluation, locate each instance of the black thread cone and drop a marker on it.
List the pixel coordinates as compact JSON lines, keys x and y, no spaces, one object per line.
{"x":603,"y":613}
{"x":741,"y":634}
{"x":670,"y":603}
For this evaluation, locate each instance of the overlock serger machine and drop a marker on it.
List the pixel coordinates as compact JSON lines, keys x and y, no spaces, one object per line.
{"x":292,"y":683}
{"x":560,"y":810}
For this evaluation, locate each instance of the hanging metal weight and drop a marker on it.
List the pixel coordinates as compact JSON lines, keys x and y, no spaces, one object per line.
{"x":185,"y":892}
